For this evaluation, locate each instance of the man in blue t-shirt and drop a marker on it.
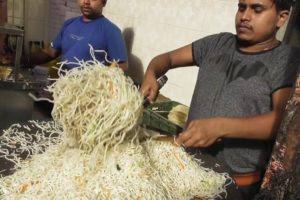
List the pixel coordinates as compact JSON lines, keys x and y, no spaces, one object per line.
{"x":92,"y":28}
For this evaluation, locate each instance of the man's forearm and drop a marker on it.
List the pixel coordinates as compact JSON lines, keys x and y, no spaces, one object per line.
{"x":259,"y":127}
{"x":158,"y":65}
{"x":39,"y":58}
{"x":44,"y":55}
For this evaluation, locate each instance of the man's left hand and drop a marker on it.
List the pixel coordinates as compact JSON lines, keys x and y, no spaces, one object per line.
{"x":201,"y":133}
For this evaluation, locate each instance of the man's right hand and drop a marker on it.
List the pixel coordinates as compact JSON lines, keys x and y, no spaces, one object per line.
{"x":149,"y":87}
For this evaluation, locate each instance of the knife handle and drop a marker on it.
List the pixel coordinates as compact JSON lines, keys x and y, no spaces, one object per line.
{"x":161,"y":82}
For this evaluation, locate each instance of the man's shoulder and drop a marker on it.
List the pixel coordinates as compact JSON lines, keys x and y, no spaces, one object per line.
{"x":294,"y":55}
{"x":71,"y":20}
{"x":287,"y":52}
{"x":289,"y":46}
{"x":108,"y":24}
{"x":218,"y":41}
{"x":221,"y":37}
{"x":294,"y":49}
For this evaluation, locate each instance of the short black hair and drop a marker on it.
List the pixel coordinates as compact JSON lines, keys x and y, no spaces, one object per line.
{"x":283,"y":4}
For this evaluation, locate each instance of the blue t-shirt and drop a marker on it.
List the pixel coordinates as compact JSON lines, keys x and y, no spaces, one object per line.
{"x":75,"y":36}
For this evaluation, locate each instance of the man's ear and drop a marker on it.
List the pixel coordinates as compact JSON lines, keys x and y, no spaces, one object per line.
{"x":282,"y":17}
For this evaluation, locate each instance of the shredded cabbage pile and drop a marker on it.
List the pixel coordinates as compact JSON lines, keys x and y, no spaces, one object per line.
{"x":96,"y":149}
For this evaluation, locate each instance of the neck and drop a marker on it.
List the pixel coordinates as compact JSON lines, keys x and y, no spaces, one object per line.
{"x":90,"y":18}
{"x":258,"y":47}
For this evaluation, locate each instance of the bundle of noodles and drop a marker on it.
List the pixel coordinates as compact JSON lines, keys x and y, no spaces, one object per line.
{"x":99,"y":109}
{"x":183,"y":174}
{"x":97,"y":106}
{"x":149,"y":170}
{"x":127,"y":174}
{"x":16,"y":144}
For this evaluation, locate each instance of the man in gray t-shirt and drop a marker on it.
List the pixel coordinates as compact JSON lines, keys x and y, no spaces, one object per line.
{"x":232,"y":83}
{"x":243,"y":84}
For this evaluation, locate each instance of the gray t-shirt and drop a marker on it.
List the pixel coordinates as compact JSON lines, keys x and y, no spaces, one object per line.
{"x":232,"y":83}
